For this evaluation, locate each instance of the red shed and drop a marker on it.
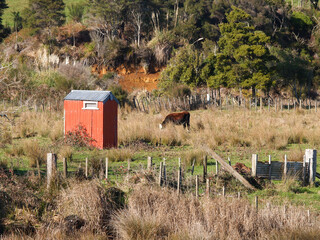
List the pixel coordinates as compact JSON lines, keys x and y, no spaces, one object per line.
{"x":97,"y":111}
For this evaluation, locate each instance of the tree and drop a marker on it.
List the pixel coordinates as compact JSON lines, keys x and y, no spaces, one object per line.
{"x":3,"y":6}
{"x":184,"y":67}
{"x":44,"y":14}
{"x":76,"y":12}
{"x":243,"y":57}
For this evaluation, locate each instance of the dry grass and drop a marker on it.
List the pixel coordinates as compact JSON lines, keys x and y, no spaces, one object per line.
{"x":34,"y":152}
{"x":162,"y":214}
{"x":232,"y":128}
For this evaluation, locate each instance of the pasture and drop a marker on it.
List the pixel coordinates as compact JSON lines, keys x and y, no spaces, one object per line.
{"x":232,"y":133}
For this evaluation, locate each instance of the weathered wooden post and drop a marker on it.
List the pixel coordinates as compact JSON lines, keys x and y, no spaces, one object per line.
{"x":107,"y":167}
{"x":254,"y":165}
{"x":315,"y":105}
{"x":260,"y":104}
{"x":288,"y":104}
{"x":217,"y":167}
{"x":311,"y":158}
{"x":205,"y":168}
{"x":229,"y":160}
{"x":300,"y":104}
{"x":51,"y":167}
{"x":149,"y":166}
{"x":197,"y":186}
{"x":270,"y":167}
{"x":223,"y":191}
{"x":65,"y":168}
{"x":160,"y":174}
{"x":256,"y":200}
{"x":192,"y":168}
{"x":164,"y":172}
{"x":208,"y":187}
{"x":239,"y":195}
{"x":129,"y":161}
{"x":86,"y":170}
{"x":179,"y":177}
{"x":285,"y":167}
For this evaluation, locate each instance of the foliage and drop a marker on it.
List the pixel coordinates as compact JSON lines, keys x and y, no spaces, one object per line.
{"x":120,"y":94}
{"x":243,"y":57}
{"x":183,"y":67}
{"x":3,"y":5}
{"x":75,"y":12}
{"x":44,"y":14}
{"x":79,"y":137}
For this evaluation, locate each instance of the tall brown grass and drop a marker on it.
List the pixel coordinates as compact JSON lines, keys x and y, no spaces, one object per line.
{"x":227,"y":128}
{"x":155,"y":213}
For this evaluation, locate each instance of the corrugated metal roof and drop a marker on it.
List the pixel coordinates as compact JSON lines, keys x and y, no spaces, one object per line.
{"x":90,"y":95}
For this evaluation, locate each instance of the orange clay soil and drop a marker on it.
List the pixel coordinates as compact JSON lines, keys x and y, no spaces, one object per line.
{"x":133,"y":79}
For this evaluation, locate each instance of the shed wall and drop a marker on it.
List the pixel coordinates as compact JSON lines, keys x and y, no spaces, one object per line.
{"x":91,"y":119}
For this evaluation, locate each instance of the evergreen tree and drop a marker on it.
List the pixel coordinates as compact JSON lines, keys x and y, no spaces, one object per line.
{"x":44,"y":14}
{"x":3,"y":5}
{"x":243,"y":57}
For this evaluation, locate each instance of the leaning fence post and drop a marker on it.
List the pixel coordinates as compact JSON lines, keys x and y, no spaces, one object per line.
{"x":254,"y":165}
{"x":197,"y":186}
{"x":65,"y":168}
{"x":51,"y":167}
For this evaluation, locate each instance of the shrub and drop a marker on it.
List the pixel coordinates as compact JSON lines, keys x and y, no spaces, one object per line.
{"x":79,"y":137}
{"x":119,"y":93}
{"x":34,"y":152}
{"x":66,"y":152}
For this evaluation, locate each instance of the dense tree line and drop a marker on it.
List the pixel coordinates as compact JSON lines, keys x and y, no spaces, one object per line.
{"x":253,"y":44}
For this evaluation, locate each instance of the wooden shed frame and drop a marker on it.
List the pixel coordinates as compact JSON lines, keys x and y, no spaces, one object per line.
{"x":97,"y":111}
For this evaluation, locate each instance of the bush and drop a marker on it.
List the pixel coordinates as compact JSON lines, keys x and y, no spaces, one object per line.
{"x":79,"y":137}
{"x":34,"y":152}
{"x":119,"y":93}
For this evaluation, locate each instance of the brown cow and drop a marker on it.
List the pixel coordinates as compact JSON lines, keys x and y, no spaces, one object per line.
{"x":181,"y":118}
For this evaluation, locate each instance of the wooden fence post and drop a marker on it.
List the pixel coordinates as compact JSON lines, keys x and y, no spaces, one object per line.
{"x":197,"y":186}
{"x":86,"y":170}
{"x":129,"y":160}
{"x":208,"y":187}
{"x":285,"y":167}
{"x":107,"y":167}
{"x":192,"y":168}
{"x":205,"y":168}
{"x":239,"y":195}
{"x":270,"y":167}
{"x":65,"y":168}
{"x":260,"y":104}
{"x":254,"y":165}
{"x":160,"y":174}
{"x":164,"y":172}
{"x":217,"y":167}
{"x":311,"y":158}
{"x":300,"y":104}
{"x":179,"y":176}
{"x":229,"y":160}
{"x":304,"y":171}
{"x":256,"y":200}
{"x":223,"y":191}
{"x":51,"y":167}
{"x":149,"y":166}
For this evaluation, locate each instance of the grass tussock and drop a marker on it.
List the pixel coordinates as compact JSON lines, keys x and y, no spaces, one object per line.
{"x":90,"y":201}
{"x":162,"y":214}
{"x":120,"y":154}
{"x":34,"y":152}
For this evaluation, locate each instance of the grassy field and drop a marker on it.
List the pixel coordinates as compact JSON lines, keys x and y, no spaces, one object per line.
{"x":19,"y":5}
{"x":236,"y":134}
